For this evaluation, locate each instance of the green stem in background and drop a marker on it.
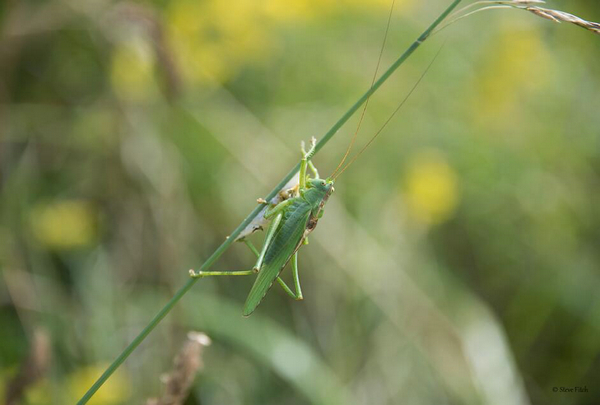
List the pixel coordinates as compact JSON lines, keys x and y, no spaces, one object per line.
{"x":225,"y":245}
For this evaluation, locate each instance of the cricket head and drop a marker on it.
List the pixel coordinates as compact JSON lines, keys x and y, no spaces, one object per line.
{"x":319,"y":191}
{"x":323,"y":186}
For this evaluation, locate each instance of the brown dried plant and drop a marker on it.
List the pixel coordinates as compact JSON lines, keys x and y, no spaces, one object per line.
{"x":529,"y":5}
{"x":561,"y":16}
{"x":33,"y":368}
{"x":178,"y":381}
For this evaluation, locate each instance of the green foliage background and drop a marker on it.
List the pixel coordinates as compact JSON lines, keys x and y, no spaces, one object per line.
{"x":457,"y":262}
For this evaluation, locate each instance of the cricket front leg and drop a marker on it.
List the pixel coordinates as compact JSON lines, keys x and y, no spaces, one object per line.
{"x":277,"y":209}
{"x":298,"y":294}
{"x":251,"y":247}
{"x":313,"y":169}
{"x":307,"y":162}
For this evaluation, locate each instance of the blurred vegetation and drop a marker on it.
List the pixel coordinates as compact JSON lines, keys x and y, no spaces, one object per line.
{"x":457,"y":262}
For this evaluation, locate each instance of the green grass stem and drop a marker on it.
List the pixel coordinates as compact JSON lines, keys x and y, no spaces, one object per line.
{"x":225,"y":245}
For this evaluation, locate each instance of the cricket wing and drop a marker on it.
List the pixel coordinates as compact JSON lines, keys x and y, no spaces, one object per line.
{"x":285,"y":243}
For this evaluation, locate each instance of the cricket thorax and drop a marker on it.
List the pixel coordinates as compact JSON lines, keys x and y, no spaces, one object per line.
{"x":321,"y":194}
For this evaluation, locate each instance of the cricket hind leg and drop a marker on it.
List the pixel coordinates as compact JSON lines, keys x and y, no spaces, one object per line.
{"x":260,"y":255}
{"x":202,"y":274}
{"x":295,"y":295}
{"x":298,"y":294}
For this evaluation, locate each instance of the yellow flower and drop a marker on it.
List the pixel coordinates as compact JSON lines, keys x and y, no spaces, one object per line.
{"x":40,"y":393}
{"x":211,"y":40}
{"x":431,"y":189}
{"x":65,"y":224}
{"x":518,"y":62}
{"x":291,"y":10}
{"x":380,"y":4}
{"x":114,"y":391}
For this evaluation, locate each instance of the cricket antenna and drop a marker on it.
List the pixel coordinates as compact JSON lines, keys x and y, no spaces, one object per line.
{"x":364,"y":110}
{"x":334,"y":176}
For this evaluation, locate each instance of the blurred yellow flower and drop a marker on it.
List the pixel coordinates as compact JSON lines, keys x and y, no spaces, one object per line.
{"x":296,"y":9}
{"x":285,"y":11}
{"x":307,"y":9}
{"x":132,"y":71}
{"x":519,"y":62}
{"x":114,"y":391}
{"x":380,"y":4}
{"x":40,"y":393}
{"x":212,"y":39}
{"x":64,"y":224}
{"x":431,"y":189}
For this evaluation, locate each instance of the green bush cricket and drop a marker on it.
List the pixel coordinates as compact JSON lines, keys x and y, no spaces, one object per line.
{"x":291,"y":222}
{"x":293,"y":218}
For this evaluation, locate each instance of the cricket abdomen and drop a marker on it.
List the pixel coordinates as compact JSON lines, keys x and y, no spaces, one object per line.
{"x":285,"y":242}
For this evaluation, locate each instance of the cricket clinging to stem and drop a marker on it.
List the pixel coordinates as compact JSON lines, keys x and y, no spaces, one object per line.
{"x":291,"y":221}
{"x":296,"y":211}
{"x":294,"y":217}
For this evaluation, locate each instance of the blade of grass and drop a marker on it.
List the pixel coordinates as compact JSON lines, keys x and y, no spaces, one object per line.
{"x":225,"y":245}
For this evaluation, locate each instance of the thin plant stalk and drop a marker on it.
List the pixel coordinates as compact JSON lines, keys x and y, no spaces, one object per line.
{"x":225,"y":245}
{"x":527,"y":5}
